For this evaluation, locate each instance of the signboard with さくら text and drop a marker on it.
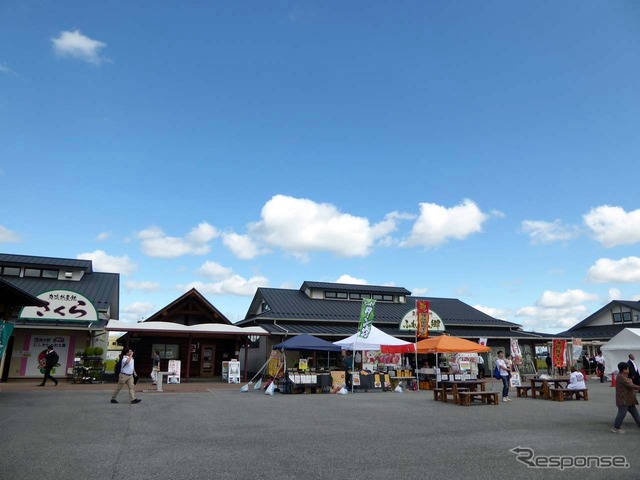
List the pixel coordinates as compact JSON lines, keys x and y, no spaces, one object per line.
{"x":62,"y":305}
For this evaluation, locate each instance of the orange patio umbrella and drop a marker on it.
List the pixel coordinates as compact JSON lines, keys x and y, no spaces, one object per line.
{"x":449,"y":344}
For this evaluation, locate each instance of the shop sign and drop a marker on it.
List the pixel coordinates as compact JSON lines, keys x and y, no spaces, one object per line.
{"x":62,"y":305}
{"x":409,"y":322}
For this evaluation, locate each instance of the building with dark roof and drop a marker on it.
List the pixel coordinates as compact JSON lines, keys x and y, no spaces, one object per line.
{"x":604,"y":324}
{"x":74,"y":304}
{"x":331,"y":311}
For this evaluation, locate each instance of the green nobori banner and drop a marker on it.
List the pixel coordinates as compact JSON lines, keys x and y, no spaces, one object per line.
{"x":5,"y":332}
{"x":366,"y":317}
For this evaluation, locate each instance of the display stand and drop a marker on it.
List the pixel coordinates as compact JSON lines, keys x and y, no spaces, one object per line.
{"x":234,"y":371}
{"x":174,"y":371}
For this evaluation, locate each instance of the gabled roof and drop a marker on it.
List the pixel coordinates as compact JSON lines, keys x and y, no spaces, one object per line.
{"x":295,"y":306}
{"x":193,"y":304}
{"x":12,"y":296}
{"x":598,"y":332}
{"x":585,"y":323}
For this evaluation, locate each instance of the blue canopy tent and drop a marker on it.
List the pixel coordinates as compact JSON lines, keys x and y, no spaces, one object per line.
{"x":306,"y":342}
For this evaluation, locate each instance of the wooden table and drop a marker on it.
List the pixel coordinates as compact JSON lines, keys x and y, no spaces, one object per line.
{"x":544,"y":383}
{"x":455,"y":384}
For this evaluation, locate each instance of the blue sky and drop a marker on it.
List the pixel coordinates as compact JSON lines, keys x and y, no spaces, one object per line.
{"x":486,"y":151}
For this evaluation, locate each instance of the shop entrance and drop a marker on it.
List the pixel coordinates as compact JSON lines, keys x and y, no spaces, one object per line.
{"x":208,"y":360}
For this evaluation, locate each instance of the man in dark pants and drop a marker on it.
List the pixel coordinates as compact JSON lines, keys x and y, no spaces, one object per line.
{"x":51,"y":360}
{"x":634,"y":375}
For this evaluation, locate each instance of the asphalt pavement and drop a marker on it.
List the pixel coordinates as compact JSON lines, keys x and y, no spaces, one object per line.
{"x":211,"y":430}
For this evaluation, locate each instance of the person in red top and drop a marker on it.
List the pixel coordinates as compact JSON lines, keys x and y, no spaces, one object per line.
{"x":626,"y":400}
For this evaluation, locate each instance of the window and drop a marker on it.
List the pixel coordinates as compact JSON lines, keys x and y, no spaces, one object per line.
{"x":11,"y":271}
{"x":32,"y":272}
{"x":626,"y":316}
{"x":335,"y":295}
{"x":359,"y":296}
{"x":49,"y":273}
{"x":167,"y":351}
{"x":617,"y":318}
{"x":383,"y":298}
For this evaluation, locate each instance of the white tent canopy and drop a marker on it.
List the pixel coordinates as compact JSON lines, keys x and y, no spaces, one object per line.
{"x":376,"y":340}
{"x":619,"y":347}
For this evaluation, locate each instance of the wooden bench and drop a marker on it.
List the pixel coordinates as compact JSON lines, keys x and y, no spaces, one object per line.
{"x":560,"y":394}
{"x":523,"y":391}
{"x":490,"y":398}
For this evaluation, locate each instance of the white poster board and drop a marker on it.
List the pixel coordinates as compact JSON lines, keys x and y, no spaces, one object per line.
{"x":234,"y":371}
{"x":174,"y":371}
{"x":38,"y":348}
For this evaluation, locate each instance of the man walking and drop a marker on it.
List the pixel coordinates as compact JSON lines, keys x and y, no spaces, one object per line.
{"x":127,"y":372}
{"x":51,"y":360}
{"x":634,"y":375}
{"x":155,"y":367}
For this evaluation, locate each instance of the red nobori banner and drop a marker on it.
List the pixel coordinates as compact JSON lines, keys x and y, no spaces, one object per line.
{"x":557,"y":354}
{"x":422,"y":310}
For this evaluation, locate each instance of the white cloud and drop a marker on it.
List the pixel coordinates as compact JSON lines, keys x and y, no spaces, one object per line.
{"x":8,"y":236}
{"x":541,"y":232}
{"x":155,"y":243}
{"x":144,"y":286}
{"x":242,"y":246}
{"x":353,"y":280}
{"x":625,"y":270}
{"x":137,"y":311}
{"x":437,"y":225}
{"x":551,"y":320}
{"x":234,"y":285}
{"x":106,"y":263}
{"x":301,"y":226}
{"x":102,"y":236}
{"x":214,"y":271}
{"x":7,"y":70}
{"x":75,"y":44}
{"x":615,"y":294}
{"x":570,"y":298}
{"x":500,"y":313}
{"x":420,"y":292}
{"x":612,"y":226}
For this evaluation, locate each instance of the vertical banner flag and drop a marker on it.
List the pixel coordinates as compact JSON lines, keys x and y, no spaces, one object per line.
{"x":422,"y":307}
{"x":366,"y":317}
{"x":558,"y":348}
{"x":516,"y":353}
{"x":576,"y":349}
{"x":5,"y":333}
{"x":482,"y":341}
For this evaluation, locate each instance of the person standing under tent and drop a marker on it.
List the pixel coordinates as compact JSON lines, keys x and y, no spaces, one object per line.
{"x":504,"y":375}
{"x":480,"y":367}
{"x":347,"y":360}
{"x":600,"y":366}
{"x":626,"y":400}
{"x":634,"y":375}
{"x":549,"y":364}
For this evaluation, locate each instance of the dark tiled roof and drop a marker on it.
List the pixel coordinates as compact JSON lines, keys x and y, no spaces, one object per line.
{"x":29,"y":260}
{"x":13,"y":296}
{"x":294,"y":305}
{"x":101,"y":288}
{"x":346,"y":287}
{"x":599,"y":332}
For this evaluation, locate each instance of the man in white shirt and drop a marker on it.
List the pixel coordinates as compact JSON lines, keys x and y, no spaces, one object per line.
{"x":480,"y":366}
{"x":600,"y":366}
{"x":504,"y":375}
{"x":127,"y":372}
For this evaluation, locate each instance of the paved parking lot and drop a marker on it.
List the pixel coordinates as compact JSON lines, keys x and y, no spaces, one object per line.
{"x":212,"y":431}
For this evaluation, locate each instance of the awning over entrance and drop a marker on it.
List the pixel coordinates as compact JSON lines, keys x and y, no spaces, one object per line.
{"x":168,"y":327}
